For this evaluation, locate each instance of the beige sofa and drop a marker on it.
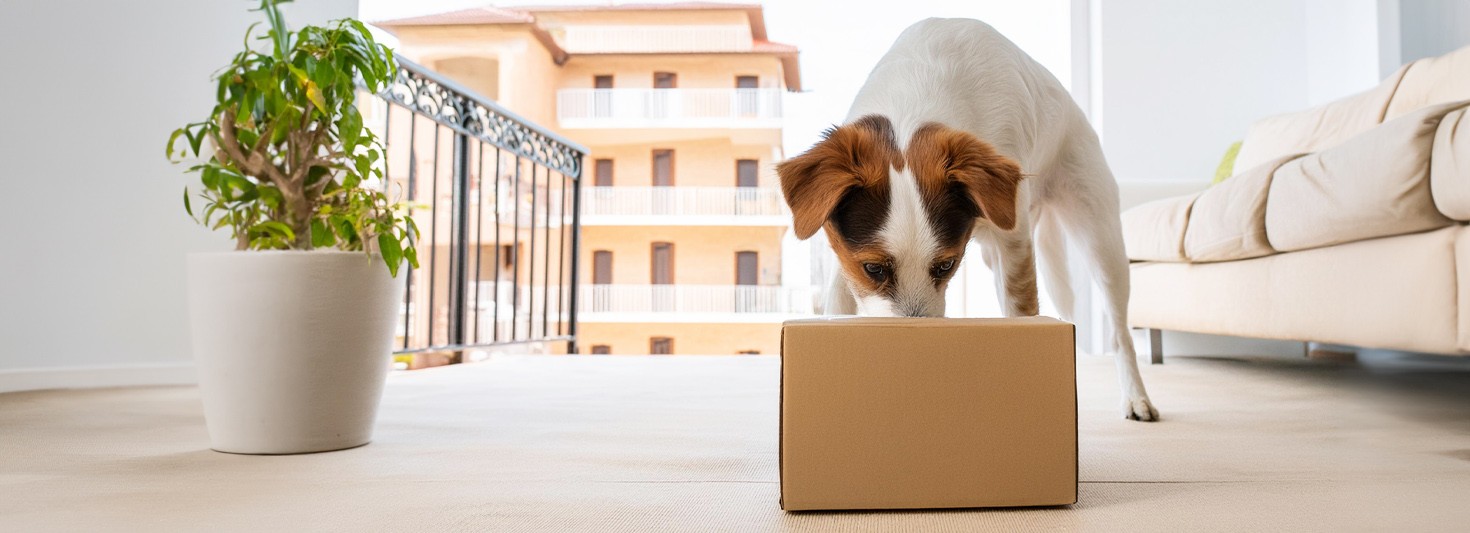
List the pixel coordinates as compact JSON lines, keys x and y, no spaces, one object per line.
{"x":1343,"y":224}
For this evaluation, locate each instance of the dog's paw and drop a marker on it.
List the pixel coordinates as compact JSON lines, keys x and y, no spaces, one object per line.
{"x":1140,"y":408}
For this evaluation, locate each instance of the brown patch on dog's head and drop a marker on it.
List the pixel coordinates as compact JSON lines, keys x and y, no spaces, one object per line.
{"x":962,"y":177}
{"x":842,"y":184}
{"x":852,"y":156}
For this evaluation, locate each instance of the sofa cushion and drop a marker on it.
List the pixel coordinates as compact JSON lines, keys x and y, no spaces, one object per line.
{"x":1228,"y":221}
{"x":1375,"y":184}
{"x":1432,"y":80}
{"x":1317,"y":128}
{"x":1395,"y":292}
{"x":1154,"y":231}
{"x":1449,"y":166}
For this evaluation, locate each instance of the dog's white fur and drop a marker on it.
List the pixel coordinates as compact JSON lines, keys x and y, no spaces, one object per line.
{"x":965,"y":75}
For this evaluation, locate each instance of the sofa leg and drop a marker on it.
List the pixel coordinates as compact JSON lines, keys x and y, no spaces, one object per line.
{"x":1155,"y":346}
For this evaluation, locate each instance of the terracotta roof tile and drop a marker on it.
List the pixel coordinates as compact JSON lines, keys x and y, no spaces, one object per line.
{"x":674,"y":6}
{"x":478,"y":15}
{"x":772,"y":47}
{"x":525,"y":15}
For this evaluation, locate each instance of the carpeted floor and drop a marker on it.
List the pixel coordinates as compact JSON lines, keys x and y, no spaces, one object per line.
{"x":651,"y":444}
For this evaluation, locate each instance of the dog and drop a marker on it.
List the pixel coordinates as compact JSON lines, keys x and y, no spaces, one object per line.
{"x":958,"y":135}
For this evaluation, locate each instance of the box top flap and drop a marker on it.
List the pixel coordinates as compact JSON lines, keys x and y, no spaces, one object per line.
{"x":912,"y":322}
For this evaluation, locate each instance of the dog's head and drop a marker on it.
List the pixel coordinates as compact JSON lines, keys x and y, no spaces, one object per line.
{"x":899,"y":216}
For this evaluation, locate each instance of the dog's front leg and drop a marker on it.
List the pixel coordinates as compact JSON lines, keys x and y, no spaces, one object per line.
{"x":1010,"y":258}
{"x":1018,"y":270}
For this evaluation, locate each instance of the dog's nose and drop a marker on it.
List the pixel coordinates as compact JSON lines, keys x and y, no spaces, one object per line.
{"x":913,"y":311}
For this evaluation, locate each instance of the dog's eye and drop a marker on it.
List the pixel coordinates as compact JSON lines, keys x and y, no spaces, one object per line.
{"x":875,"y":271}
{"x":941,"y":270}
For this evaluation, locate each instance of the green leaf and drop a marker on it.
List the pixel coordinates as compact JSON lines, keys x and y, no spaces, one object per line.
{"x":413,"y":256}
{"x":344,"y":229}
{"x":301,"y":75}
{"x":247,"y":138}
{"x":171,"y":139}
{"x":271,"y":196}
{"x":276,"y":228}
{"x":194,"y":139}
{"x":392,"y":252}
{"x":210,"y":177}
{"x":248,"y":31}
{"x":188,"y":208}
{"x":321,"y":235}
{"x":244,"y":116}
{"x":349,"y":128}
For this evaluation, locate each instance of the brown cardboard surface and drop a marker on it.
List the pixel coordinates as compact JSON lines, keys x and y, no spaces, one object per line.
{"x":913,"y":413}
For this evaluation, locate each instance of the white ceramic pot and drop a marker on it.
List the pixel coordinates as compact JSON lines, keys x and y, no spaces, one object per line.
{"x":292,"y":347}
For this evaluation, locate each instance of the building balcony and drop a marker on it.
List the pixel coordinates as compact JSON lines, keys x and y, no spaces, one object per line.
{"x":668,"y":108}
{"x":693,"y":303}
{"x":683,"y":206}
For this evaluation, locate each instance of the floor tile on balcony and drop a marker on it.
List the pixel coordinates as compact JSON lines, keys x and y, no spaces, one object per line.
{"x":670,"y":443}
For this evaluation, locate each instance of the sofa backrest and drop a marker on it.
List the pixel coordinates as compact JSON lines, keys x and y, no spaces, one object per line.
{"x":1320,"y":127}
{"x":1428,"y":81}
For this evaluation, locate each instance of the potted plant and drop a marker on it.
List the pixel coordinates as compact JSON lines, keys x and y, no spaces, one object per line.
{"x":293,"y":330}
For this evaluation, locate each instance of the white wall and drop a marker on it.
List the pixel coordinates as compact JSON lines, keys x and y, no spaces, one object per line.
{"x":1180,"y":81}
{"x":91,"y":217}
{"x":1432,"y":27}
{"x":1342,"y":56}
{"x":1175,"y":83}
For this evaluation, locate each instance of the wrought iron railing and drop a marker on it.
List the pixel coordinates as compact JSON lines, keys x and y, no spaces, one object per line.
{"x":497,"y":199}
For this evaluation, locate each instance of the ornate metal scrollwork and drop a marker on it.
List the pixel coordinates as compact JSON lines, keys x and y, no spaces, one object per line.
{"x":426,"y":93}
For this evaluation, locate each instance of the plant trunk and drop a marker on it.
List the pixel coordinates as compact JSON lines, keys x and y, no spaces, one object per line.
{"x":298,"y":215}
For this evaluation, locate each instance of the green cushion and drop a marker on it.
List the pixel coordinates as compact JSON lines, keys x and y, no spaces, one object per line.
{"x":1227,"y":164}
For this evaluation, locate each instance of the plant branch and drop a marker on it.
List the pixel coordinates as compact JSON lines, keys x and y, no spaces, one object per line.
{"x":255,"y":163}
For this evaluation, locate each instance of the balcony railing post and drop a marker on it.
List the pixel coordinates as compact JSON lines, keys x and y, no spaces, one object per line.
{"x":459,"y":255}
{"x":576,"y":252}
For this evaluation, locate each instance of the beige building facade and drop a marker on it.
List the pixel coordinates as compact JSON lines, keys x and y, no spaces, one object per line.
{"x":680,"y":108}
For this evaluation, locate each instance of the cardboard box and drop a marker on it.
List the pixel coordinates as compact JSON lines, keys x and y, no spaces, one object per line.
{"x":916,"y":413}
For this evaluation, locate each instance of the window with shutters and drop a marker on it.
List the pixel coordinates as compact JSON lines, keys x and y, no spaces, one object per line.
{"x":602,"y":174}
{"x":602,"y":267}
{"x":747,"y":268}
{"x":663,"y":263}
{"x":747,"y":98}
{"x":747,"y":173}
{"x":663,"y":168}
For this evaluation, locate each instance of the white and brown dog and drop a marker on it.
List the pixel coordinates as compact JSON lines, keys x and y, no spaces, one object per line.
{"x":959,"y":135}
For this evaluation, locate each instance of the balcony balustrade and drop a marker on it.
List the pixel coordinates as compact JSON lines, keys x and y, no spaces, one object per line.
{"x":668,"y":108}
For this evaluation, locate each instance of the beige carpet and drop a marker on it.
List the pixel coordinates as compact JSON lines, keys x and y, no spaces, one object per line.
{"x":650,"y":444}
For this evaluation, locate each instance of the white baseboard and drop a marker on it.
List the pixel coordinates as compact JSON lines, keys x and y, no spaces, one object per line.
{"x":89,"y":377}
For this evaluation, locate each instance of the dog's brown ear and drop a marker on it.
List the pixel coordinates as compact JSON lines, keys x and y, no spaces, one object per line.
{"x":854,"y":155}
{"x":943,"y":155}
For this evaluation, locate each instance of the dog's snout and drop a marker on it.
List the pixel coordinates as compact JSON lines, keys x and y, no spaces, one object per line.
{"x":914,"y":311}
